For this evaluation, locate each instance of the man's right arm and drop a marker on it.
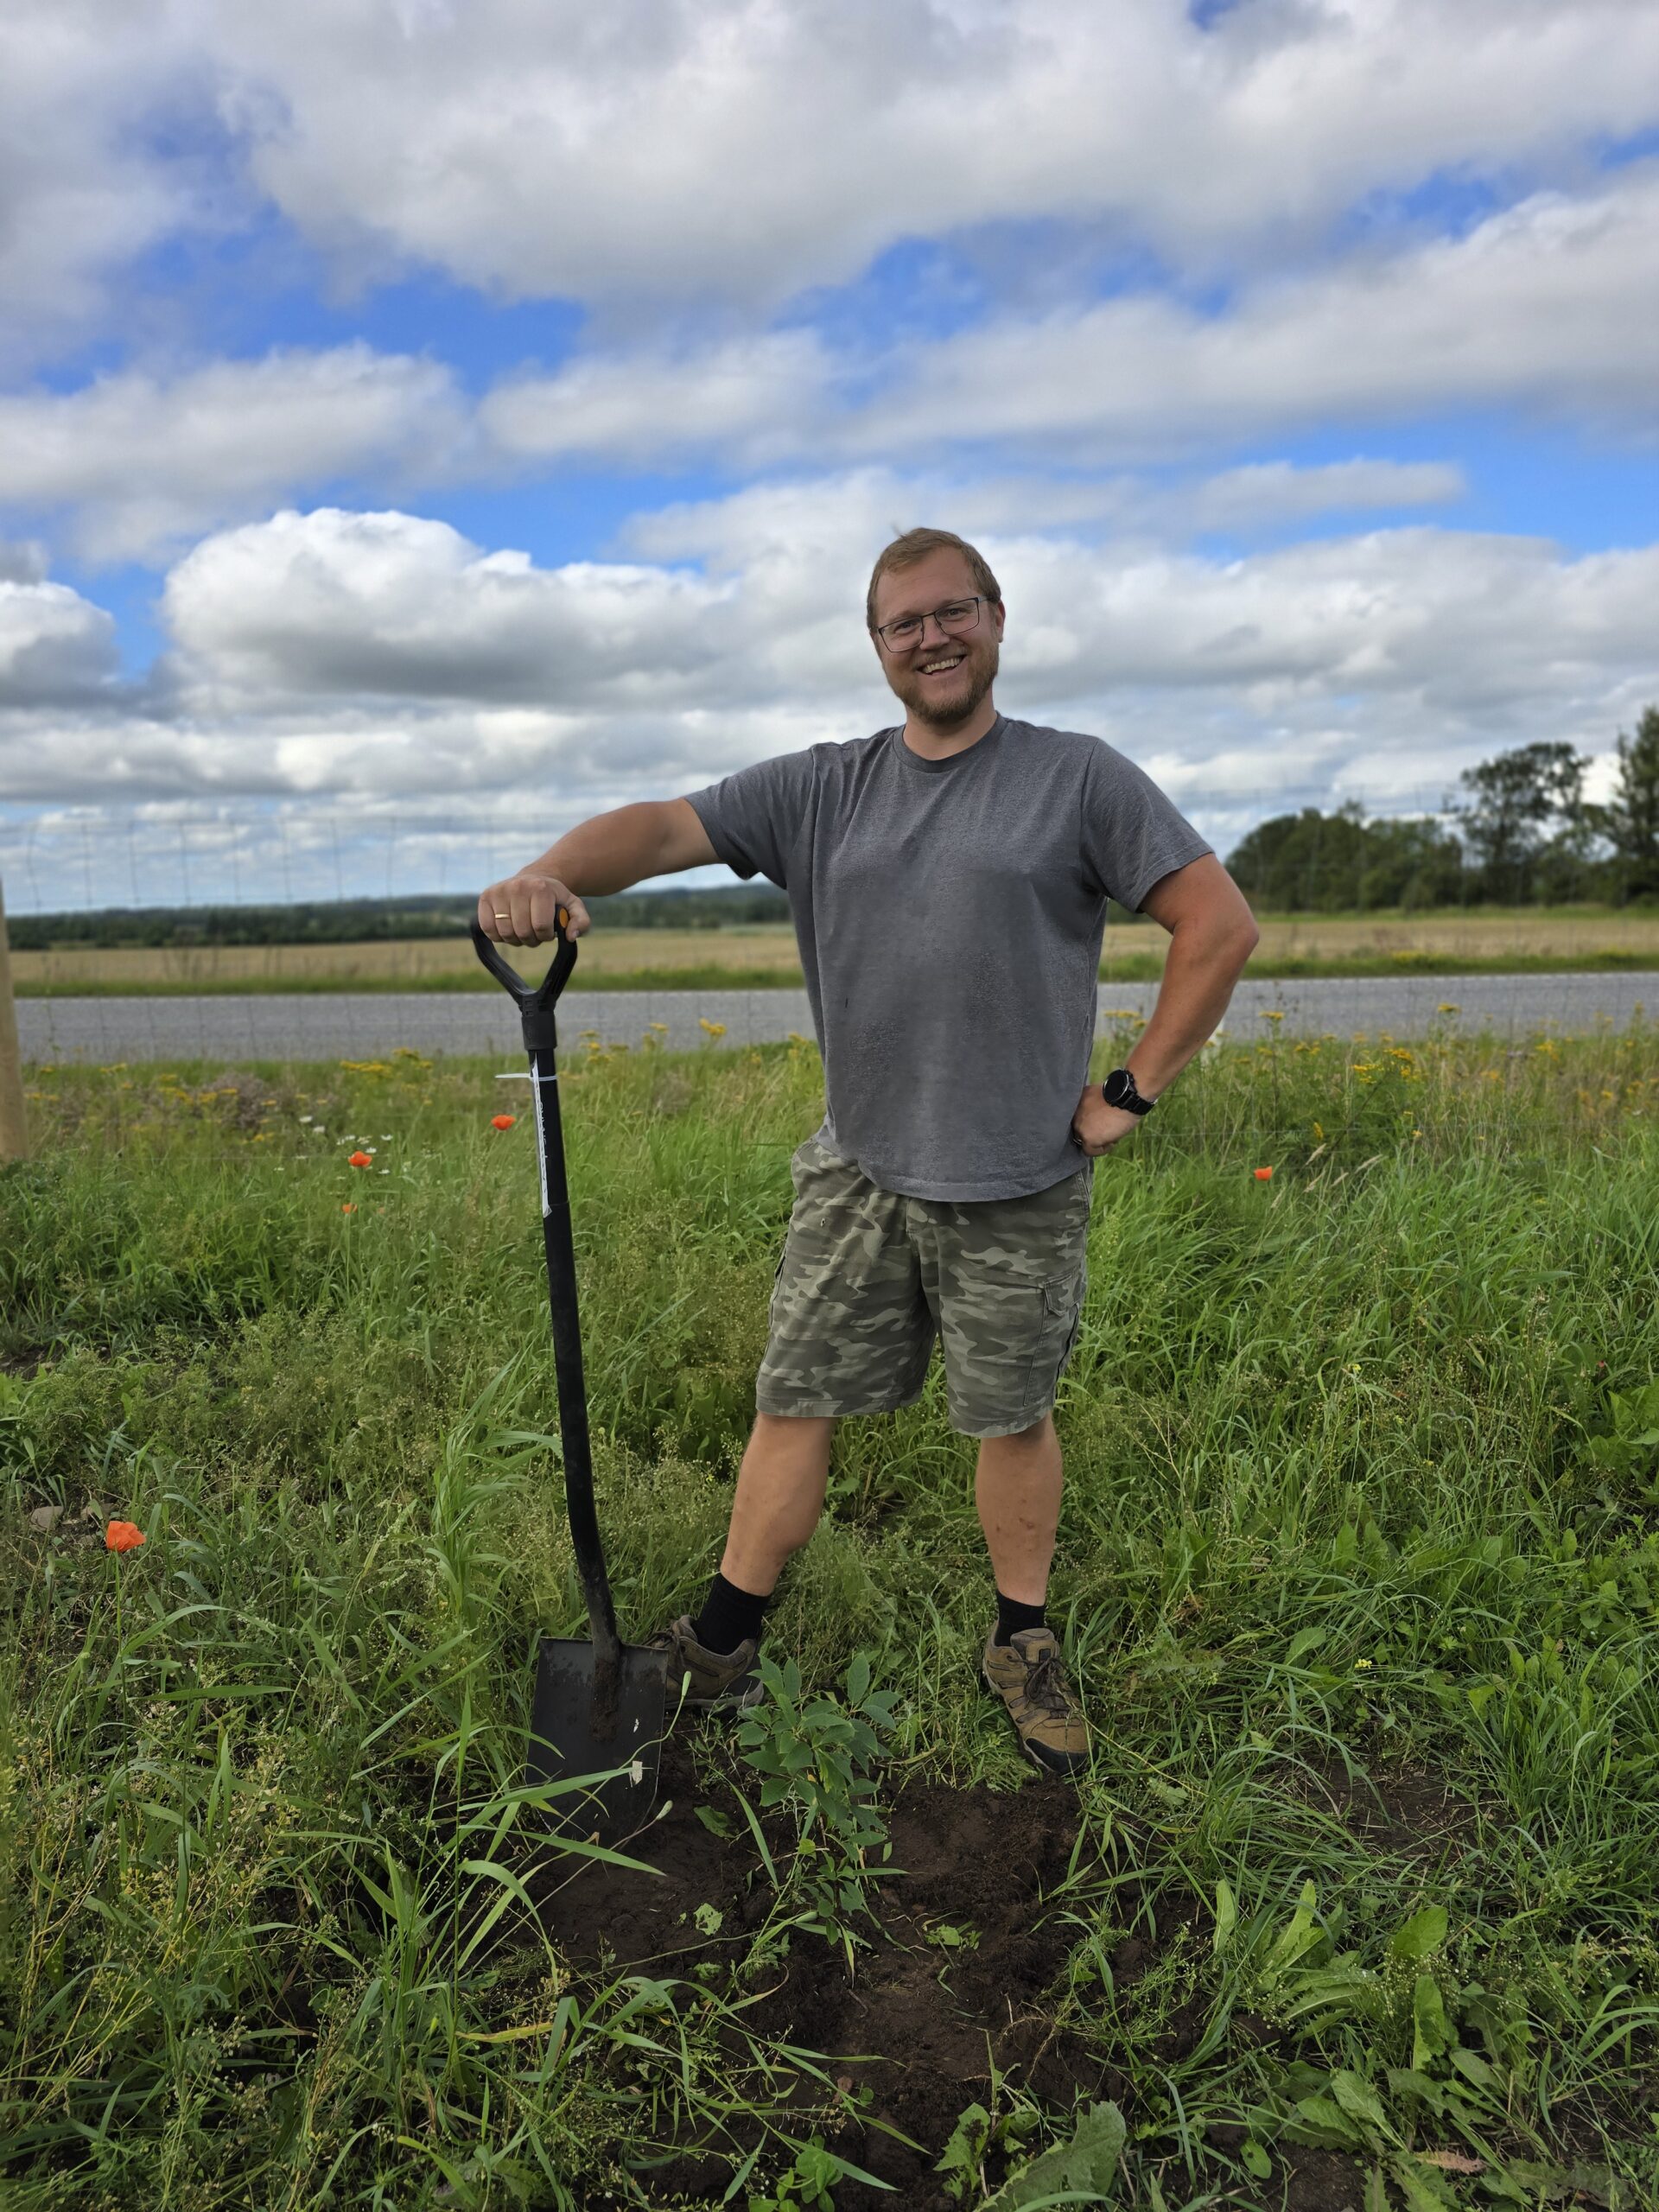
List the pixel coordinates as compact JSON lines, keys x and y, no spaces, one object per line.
{"x":608,"y":852}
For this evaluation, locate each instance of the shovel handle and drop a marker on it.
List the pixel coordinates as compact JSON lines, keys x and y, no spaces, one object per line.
{"x":535,"y":1002}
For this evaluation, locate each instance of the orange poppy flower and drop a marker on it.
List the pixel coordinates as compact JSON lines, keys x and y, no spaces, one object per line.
{"x":123,"y":1536}
{"x":502,"y":1120}
{"x":1263,"y":1174}
{"x":361,"y":1160}
{"x":348,"y":1207}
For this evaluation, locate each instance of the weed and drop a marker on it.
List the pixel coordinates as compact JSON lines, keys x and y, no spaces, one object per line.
{"x":814,"y":1755}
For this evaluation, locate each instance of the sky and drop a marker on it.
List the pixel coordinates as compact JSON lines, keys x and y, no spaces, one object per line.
{"x":423,"y":425}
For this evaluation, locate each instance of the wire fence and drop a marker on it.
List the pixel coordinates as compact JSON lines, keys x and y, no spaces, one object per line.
{"x":224,"y":1003}
{"x":197,"y":853}
{"x":80,"y":859}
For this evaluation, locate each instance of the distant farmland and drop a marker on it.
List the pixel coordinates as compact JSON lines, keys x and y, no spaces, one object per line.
{"x":762,"y":955}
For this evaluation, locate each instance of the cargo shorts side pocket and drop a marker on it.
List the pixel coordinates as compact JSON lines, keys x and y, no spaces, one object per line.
{"x":1063,"y":1299}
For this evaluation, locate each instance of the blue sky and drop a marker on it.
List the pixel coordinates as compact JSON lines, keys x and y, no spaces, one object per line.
{"x":420,"y":427}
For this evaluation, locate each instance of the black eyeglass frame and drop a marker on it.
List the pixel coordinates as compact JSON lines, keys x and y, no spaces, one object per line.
{"x":975,"y":600}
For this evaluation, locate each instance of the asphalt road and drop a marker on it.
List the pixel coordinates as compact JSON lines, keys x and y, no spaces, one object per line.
{"x":361,"y":1026}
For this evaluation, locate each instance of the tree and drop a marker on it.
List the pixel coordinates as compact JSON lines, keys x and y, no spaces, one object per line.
{"x":1331,"y":863}
{"x":1526,"y":804}
{"x":1630,"y":822}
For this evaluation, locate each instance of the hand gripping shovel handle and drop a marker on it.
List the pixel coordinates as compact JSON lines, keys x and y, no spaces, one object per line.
{"x":535,"y":1002}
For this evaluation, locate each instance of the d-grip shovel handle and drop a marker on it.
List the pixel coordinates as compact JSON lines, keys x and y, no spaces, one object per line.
{"x":536,"y":1001}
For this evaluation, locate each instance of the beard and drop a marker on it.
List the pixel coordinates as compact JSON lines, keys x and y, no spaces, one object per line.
{"x":943,"y":707}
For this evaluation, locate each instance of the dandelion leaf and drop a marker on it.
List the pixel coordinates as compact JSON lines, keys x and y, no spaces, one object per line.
{"x":1078,"y":2173}
{"x":1422,"y":1933}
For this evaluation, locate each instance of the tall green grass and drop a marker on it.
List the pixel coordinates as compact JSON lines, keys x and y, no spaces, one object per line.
{"x":1354,"y":1603}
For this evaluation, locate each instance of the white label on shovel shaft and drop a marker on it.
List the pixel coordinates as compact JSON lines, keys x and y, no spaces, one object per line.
{"x":537,"y":1079}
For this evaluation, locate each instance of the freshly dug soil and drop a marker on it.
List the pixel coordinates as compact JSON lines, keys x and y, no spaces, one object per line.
{"x":918,"y":2024}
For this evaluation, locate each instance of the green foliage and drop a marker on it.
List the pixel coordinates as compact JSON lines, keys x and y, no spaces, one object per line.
{"x":815,"y":1755}
{"x":1359,"y":1566}
{"x":1329,"y":864}
{"x":806,"y":2182}
{"x":1629,"y":1451}
{"x":1080,"y":2172}
{"x":1630,"y":821}
{"x":1526,"y":822}
{"x":1529,"y":832}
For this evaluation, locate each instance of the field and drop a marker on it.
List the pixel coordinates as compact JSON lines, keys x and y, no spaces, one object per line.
{"x":1359,"y":1568}
{"x":755,"y":956}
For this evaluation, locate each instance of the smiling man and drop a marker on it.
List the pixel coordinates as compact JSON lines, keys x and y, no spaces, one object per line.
{"x":947,"y":879}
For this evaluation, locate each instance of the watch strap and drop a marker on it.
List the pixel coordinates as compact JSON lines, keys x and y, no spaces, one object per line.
{"x":1128,"y":1099}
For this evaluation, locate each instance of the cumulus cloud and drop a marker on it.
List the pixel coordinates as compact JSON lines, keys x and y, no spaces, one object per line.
{"x":746,"y":148}
{"x":134,"y":463}
{"x":54,"y":645}
{"x":395,"y":605}
{"x":383,"y":657}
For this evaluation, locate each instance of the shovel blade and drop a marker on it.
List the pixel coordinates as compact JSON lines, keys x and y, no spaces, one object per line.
{"x":581,"y":1723}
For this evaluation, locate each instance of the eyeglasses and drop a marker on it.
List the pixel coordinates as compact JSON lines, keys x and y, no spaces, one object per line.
{"x":954,"y":618}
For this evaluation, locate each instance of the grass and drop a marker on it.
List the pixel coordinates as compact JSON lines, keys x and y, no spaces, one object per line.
{"x":1368,"y":1623}
{"x":762,"y":956}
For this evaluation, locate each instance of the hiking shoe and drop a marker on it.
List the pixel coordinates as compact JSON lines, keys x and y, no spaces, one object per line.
{"x":1029,"y":1676}
{"x":722,"y":1681}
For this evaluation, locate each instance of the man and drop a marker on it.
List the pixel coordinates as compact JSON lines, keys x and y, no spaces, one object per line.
{"x":948,"y":879}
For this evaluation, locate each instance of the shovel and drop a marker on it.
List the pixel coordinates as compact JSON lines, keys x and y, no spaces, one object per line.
{"x":600,"y":1705}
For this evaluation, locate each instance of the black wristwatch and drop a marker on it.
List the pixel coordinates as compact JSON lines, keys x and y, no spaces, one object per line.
{"x":1119,"y":1091}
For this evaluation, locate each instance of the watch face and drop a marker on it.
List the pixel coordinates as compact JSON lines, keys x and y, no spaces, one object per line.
{"x":1118,"y":1086}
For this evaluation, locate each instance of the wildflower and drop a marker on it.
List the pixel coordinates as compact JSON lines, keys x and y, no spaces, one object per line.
{"x":1272,"y":1014}
{"x":714,"y":1028}
{"x":502,"y":1120}
{"x":1263,"y":1174}
{"x":360,"y":1160}
{"x":1446,"y":1006}
{"x":123,"y":1536}
{"x":1362,"y":1666}
{"x":348,"y":1207}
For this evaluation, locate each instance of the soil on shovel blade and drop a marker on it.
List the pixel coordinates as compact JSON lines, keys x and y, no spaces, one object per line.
{"x":918,"y":2026}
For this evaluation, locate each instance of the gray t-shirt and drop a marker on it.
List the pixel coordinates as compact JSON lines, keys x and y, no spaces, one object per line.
{"x":950,"y":916}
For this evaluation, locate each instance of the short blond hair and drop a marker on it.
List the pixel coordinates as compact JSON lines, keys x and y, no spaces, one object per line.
{"x":914,"y":545}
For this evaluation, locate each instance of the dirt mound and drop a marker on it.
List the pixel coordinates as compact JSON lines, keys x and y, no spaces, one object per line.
{"x":922,"y":2018}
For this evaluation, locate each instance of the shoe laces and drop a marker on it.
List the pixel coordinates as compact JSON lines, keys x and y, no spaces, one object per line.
{"x":1045,"y":1683}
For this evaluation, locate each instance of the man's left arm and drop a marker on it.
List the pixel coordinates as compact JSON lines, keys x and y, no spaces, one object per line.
{"x":1212,"y":933}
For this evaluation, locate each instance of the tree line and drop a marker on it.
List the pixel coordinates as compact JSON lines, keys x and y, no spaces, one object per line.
{"x":1521,"y":832}
{"x":368,"y":921}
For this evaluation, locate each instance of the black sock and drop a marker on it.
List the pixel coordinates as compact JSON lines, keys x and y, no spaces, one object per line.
{"x":1012,"y":1617}
{"x":728,"y":1618}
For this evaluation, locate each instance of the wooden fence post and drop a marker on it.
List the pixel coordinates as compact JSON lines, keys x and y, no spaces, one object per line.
{"x":13,"y":1128}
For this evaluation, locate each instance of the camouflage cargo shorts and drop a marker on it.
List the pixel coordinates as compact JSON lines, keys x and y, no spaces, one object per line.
{"x":869,"y":1279}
